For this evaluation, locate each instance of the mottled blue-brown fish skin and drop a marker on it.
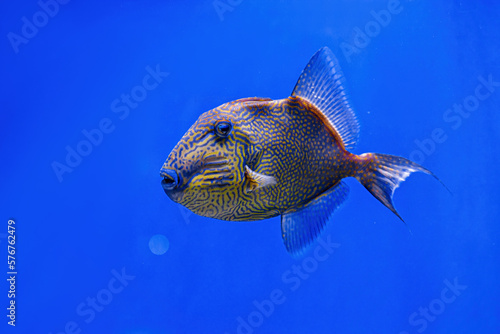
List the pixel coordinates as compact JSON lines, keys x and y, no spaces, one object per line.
{"x":287,"y":139}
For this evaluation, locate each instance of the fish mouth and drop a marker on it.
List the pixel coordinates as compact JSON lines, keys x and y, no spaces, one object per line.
{"x":170,"y":179}
{"x":168,"y":183}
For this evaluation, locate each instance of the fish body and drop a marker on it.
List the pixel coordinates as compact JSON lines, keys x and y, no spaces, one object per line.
{"x":257,"y":158}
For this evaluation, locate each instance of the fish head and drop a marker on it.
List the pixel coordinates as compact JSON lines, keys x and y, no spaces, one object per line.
{"x":205,"y":171}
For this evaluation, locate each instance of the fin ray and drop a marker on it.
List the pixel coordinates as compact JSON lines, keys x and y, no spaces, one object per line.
{"x":322,"y":84}
{"x":383,"y":174}
{"x":300,"y":227}
{"x":257,"y":180}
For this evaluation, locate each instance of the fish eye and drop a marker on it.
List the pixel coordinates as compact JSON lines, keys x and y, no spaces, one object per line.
{"x":223,"y":128}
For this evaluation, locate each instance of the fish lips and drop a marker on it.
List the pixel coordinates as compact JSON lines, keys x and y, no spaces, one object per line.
{"x":170,"y":183}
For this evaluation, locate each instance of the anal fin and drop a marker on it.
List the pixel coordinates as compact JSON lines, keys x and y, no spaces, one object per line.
{"x":300,"y":227}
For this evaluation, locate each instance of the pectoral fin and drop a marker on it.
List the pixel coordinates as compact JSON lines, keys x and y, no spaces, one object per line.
{"x":256,"y":180}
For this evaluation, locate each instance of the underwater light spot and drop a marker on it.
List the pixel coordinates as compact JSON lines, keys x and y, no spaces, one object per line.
{"x":158,"y":244}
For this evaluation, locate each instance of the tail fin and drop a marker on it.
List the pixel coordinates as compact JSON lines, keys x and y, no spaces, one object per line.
{"x":381,"y":174}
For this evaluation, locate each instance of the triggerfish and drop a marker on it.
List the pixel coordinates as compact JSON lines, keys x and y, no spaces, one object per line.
{"x":257,"y":158}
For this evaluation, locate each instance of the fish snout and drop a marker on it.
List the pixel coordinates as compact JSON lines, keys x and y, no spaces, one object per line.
{"x":170,"y":179}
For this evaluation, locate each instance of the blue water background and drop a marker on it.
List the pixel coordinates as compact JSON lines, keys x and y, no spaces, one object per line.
{"x":77,"y":232}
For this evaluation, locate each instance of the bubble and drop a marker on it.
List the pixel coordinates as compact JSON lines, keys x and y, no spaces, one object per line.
{"x":158,"y":244}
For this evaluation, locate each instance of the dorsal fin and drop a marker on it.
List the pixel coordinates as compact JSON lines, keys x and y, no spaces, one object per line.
{"x":322,"y":84}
